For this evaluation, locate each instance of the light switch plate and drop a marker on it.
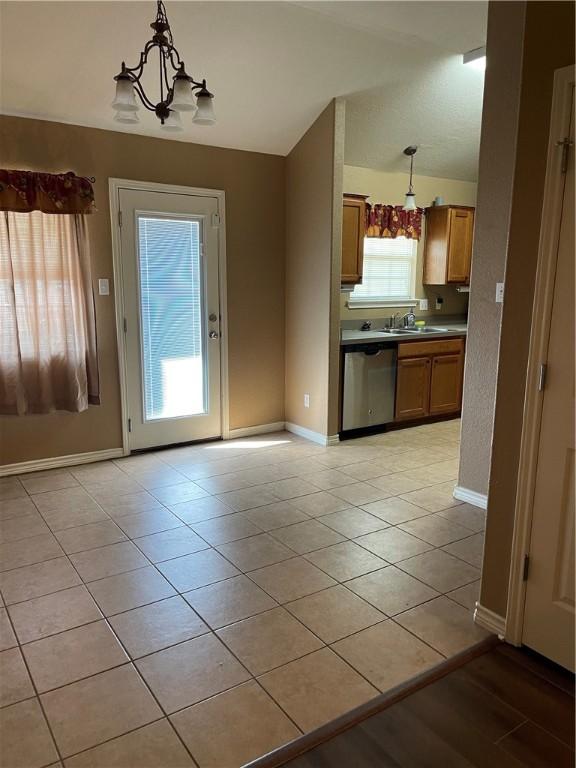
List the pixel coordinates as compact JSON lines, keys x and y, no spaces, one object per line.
{"x":104,"y":286}
{"x":423,"y":304}
{"x":306,"y":401}
{"x":499,"y":293}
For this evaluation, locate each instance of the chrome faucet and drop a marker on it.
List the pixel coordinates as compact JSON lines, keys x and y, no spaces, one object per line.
{"x":409,"y":319}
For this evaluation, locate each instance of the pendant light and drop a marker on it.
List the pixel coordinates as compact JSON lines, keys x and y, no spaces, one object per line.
{"x":410,"y":199}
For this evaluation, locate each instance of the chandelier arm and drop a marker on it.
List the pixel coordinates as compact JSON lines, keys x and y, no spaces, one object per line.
{"x":137,"y":71}
{"x":142,"y":95}
{"x":170,"y":53}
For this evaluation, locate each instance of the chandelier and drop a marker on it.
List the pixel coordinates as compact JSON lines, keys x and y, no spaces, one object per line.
{"x":177,"y":91}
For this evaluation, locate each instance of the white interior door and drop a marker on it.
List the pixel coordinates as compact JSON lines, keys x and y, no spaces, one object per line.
{"x":169,"y":258}
{"x":549,"y":609}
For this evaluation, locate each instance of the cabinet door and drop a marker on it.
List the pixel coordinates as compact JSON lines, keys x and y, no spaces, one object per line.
{"x":460,"y":245}
{"x":446,"y":384}
{"x":413,"y":388}
{"x":353,"y":226}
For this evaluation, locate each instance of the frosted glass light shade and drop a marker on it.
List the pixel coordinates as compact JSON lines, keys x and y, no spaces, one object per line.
{"x":183,"y":100}
{"x":410,"y":202}
{"x":125,"y":99}
{"x":173,"y":122}
{"x":205,"y":113}
{"x":126,"y":117}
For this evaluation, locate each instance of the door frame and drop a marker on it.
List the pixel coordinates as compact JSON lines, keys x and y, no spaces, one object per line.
{"x":115,"y":185}
{"x":539,"y":336}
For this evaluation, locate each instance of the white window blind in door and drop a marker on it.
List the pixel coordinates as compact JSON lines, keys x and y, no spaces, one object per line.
{"x":389,"y":270}
{"x":172,"y":337}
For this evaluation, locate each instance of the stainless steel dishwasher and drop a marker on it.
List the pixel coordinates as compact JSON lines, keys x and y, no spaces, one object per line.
{"x":369,"y":385}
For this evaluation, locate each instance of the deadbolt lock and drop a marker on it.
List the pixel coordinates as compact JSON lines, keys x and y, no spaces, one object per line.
{"x":212,"y":317}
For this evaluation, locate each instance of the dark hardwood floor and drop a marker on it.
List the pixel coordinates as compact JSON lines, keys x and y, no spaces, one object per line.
{"x":507,"y":708}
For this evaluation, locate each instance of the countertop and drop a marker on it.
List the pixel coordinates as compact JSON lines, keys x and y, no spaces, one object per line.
{"x":359,"y":337}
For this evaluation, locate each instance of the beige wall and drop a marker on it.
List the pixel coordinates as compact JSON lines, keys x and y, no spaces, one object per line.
{"x":548,"y":45}
{"x":390,"y":188}
{"x":495,"y":184}
{"x":310,"y":251}
{"x":254,"y":186}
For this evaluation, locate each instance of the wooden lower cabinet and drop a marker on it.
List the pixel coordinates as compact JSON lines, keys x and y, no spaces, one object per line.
{"x":446,"y":384}
{"x":429,"y":378}
{"x":413,"y":388}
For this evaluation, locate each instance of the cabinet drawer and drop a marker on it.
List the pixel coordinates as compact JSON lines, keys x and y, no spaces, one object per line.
{"x":440,"y":347}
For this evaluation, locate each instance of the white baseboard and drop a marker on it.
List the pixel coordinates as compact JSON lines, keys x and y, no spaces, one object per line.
{"x":472,"y":497}
{"x":489,"y":620}
{"x":257,"y":429}
{"x":37,"y":465}
{"x":315,"y":437}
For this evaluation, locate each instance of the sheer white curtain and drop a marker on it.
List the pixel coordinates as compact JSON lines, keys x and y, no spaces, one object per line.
{"x":48,"y":357}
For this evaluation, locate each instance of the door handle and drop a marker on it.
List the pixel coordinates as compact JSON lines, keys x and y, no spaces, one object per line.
{"x":213,"y":335}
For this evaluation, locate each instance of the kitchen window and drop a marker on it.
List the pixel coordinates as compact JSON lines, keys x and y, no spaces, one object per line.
{"x":389,"y":277}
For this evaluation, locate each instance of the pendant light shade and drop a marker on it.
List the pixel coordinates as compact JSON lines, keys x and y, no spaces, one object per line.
{"x":183,"y":100}
{"x":410,"y":202}
{"x":126,"y":117}
{"x":172,"y":122}
{"x":125,"y":99}
{"x":410,"y":199}
{"x":205,"y":114}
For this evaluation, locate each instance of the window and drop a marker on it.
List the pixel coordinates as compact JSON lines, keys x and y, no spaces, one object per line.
{"x":389,"y":271}
{"x":171,"y":316}
{"x":48,"y":358}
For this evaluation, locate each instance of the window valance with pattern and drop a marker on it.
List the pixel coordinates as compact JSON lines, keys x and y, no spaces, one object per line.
{"x":63,"y":193}
{"x":393,"y":221}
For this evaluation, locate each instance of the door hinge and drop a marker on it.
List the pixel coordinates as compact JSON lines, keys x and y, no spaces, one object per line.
{"x":129,"y":425}
{"x":120,"y":219}
{"x":125,"y":325}
{"x":565,"y":143}
{"x":542,"y":376}
{"x":526,"y":568}
{"x":216,"y":220}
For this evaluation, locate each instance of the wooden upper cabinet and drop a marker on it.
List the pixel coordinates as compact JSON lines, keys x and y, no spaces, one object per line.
{"x":353,"y":227}
{"x":448,"y":245}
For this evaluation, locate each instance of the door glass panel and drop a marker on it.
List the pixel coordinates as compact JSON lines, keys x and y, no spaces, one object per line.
{"x":173,"y":360}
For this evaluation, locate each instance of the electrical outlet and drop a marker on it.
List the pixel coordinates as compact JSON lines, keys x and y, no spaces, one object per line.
{"x":439,"y":302}
{"x":499,"y":293}
{"x":103,"y":286}
{"x":306,"y":401}
{"x":423,"y":304}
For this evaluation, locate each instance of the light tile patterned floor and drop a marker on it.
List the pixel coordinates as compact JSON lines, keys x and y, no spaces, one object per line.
{"x":267,"y":584}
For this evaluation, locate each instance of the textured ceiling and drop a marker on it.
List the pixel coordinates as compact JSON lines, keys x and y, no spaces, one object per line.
{"x":273,"y":68}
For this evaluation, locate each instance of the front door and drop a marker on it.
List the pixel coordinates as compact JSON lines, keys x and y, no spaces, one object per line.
{"x":549,"y":609}
{"x":169,"y":258}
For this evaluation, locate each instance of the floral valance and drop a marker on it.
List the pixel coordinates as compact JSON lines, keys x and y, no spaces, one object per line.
{"x":26,"y":191}
{"x":393,"y":221}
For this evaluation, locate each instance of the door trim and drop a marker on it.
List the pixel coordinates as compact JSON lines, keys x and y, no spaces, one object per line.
{"x":115,"y":185}
{"x":539,"y":334}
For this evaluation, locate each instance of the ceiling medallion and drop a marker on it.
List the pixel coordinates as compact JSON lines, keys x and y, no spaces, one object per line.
{"x":178,"y":92}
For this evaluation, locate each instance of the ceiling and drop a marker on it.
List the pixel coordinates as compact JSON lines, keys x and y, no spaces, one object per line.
{"x":273,"y":67}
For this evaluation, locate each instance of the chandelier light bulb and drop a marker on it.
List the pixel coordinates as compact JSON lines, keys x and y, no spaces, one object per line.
{"x":125,"y":99}
{"x":183,"y":98}
{"x":173,"y":122}
{"x":205,"y":114}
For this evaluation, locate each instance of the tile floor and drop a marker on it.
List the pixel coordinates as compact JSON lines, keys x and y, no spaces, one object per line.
{"x":267,"y":583}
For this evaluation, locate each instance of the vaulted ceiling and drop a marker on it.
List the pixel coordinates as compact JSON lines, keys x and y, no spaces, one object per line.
{"x":273,"y":67}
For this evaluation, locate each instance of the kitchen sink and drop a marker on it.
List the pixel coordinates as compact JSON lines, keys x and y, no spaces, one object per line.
{"x":414,"y":330}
